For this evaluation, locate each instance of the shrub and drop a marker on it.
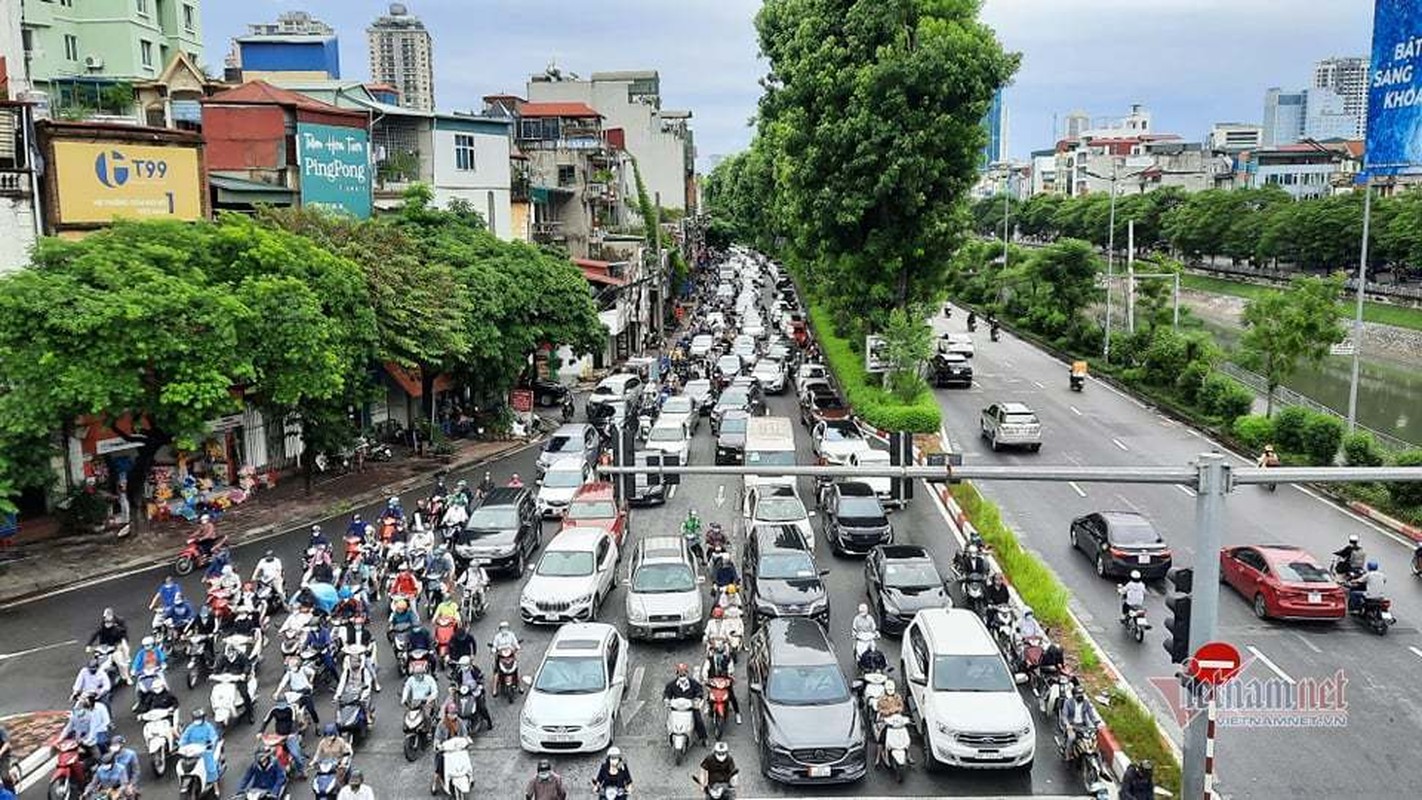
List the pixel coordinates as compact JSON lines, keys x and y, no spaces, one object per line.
{"x":1289,"y":428}
{"x":1407,"y":494}
{"x":1322,"y":436}
{"x":1225,"y":398}
{"x":1254,"y":431}
{"x":872,"y":404}
{"x":1360,"y":450}
{"x":1192,"y":377}
{"x":1165,"y":357}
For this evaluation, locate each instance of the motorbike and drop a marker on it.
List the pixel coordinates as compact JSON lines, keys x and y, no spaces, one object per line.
{"x":718,"y":697}
{"x":1136,"y":623}
{"x":338,"y":461}
{"x":417,"y":731}
{"x":399,"y":636}
{"x":225,"y":701}
{"x":458,"y":768}
{"x":871,"y":688}
{"x":863,"y":640}
{"x":1077,"y":382}
{"x":71,"y":771}
{"x":192,"y":557}
{"x":1084,"y":757}
{"x":160,"y":734}
{"x":994,"y":332}
{"x":1376,"y":614}
{"x":143,"y":683}
{"x":895,"y":754}
{"x":352,"y":720}
{"x":374,"y":450}
{"x":680,"y":724}
{"x":326,"y":781}
{"x":974,"y":590}
{"x":731,"y":627}
{"x":277,"y":744}
{"x":568,"y":409}
{"x":1002,"y":621}
{"x":198,"y":647}
{"x":469,"y":708}
{"x":474,"y":604}
{"x":106,"y":654}
{"x":443,"y":634}
{"x":506,"y":674}
{"x":269,"y":599}
{"x":1055,"y":690}
{"x":192,"y":772}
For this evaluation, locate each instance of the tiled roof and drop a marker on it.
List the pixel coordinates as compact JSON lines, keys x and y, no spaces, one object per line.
{"x":557,"y":110}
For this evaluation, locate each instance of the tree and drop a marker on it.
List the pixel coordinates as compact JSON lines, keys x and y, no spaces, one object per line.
{"x":1285,"y":328}
{"x":908,"y":342}
{"x":1064,"y":278}
{"x":872,"y":109}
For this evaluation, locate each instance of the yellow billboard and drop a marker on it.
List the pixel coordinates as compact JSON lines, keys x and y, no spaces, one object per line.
{"x":102,"y":181}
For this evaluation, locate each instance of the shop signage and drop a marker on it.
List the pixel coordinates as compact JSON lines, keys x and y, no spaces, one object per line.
{"x":102,"y":181}
{"x":521,"y":400}
{"x":115,"y":445}
{"x":335,"y":168}
{"x":1394,"y":143}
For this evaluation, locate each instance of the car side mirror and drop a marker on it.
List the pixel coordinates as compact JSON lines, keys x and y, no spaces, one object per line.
{"x":824,"y":573}
{"x":810,"y":514}
{"x":921,"y":680}
{"x":626,"y":581}
{"x":756,"y":687}
{"x":528,"y":680}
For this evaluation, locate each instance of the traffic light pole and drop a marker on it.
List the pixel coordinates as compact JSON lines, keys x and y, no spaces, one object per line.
{"x":1211,"y":487}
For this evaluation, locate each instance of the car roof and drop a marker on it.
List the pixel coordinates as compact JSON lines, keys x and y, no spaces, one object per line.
{"x":618,"y":379}
{"x":1123,"y":517}
{"x":503,"y":496}
{"x":580,"y":638}
{"x":877,"y":456}
{"x":662,"y":549}
{"x":574,"y":464}
{"x":572,"y":429}
{"x":959,"y":629}
{"x":734,"y":413}
{"x":597,"y":490}
{"x":581,"y":537}
{"x":798,"y":641}
{"x":904,"y":552}
{"x":668,"y":422}
{"x":854,"y":489}
{"x":844,"y":425}
{"x":1015,"y":408}
{"x":777,"y":536}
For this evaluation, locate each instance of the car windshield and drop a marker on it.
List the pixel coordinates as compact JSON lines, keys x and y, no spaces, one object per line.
{"x":665,"y":433}
{"x":911,"y":575}
{"x":768,"y":367}
{"x":677,"y":405}
{"x":1027,"y":418}
{"x":861,"y":508}
{"x":493,"y":518}
{"x":729,"y":363}
{"x":827,"y":400}
{"x":733,"y":398}
{"x":663,"y":578}
{"x":697,"y":388}
{"x":563,"y":479}
{"x":971,"y":674}
{"x":565,"y":564}
{"x":1301,"y":572}
{"x":593,"y":509}
{"x":772,"y":458}
{"x":562,"y":444}
{"x":787,"y":566}
{"x":734,"y":424}
{"x":806,"y":685}
{"x":1133,"y":532}
{"x":779,"y":509}
{"x":579,"y":675}
{"x":836,"y":433}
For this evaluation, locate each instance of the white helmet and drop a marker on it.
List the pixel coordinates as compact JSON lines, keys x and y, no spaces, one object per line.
{"x":148,"y":641}
{"x":889,"y":687}
{"x":1135,"y":574}
{"x":863,"y":608}
{"x":1353,"y":539}
{"x":614,"y":752}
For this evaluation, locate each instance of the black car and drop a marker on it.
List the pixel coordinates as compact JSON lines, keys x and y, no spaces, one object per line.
{"x":952,"y":369}
{"x":855,"y":520}
{"x":803,"y":713}
{"x":781,"y":579}
{"x":1120,"y":541}
{"x":733,"y":397}
{"x":731,"y":438}
{"x":901,"y":581}
{"x":502,"y":532}
{"x":546,"y":393}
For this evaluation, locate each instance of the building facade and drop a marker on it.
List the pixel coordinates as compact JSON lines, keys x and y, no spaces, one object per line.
{"x":1307,"y":169}
{"x":297,"y":46}
{"x":76,"y":49}
{"x":995,"y":127}
{"x":20,"y":221}
{"x":14,"y":77}
{"x":1283,"y":116}
{"x":1234,"y":137}
{"x":402,"y":55}
{"x":1326,"y":116}
{"x":1346,"y":77}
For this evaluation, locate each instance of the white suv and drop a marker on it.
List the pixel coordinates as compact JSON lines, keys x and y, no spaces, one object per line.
{"x":573,"y":698}
{"x":663,"y":598}
{"x":573,"y":577}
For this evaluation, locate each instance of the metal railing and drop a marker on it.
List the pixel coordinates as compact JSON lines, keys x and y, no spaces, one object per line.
{"x":1288,"y":397}
{"x":1274,"y":276}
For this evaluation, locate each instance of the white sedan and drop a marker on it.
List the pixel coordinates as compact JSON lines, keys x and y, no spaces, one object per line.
{"x":771,"y":375}
{"x":573,"y":699}
{"x":671,"y":437}
{"x":574,"y":576}
{"x":556,"y":487}
{"x":835,"y":440}
{"x":681,"y":408}
{"x":701,"y":344}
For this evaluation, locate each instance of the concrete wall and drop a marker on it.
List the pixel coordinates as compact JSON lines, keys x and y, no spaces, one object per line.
{"x":17,"y":232}
{"x":484,"y":186}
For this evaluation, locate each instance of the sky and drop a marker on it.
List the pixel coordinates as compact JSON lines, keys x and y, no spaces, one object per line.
{"x":1190,"y":62}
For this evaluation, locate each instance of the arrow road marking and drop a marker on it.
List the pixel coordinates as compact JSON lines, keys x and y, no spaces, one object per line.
{"x":1120,"y":444}
{"x":1185,"y":489}
{"x":1076,"y":488}
{"x":1415,"y":651}
{"x":1038,"y":384}
{"x":720,"y":495}
{"x":1270,"y":664}
{"x":41,"y":648}
{"x":1074,"y":410}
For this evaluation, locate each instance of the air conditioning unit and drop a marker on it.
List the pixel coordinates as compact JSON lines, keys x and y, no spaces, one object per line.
{"x":93,"y":62}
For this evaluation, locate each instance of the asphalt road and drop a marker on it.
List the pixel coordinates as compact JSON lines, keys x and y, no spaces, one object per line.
{"x":60,"y":623}
{"x":1369,"y":756}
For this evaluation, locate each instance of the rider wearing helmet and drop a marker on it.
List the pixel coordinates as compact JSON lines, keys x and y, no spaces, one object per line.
{"x":1351,"y":557}
{"x":614,"y":772}
{"x":889,"y":704}
{"x":545,"y":784}
{"x":718,"y":768}
{"x":202,"y":732}
{"x":1368,"y":587}
{"x":265,"y":773}
{"x":1132,"y":594}
{"x":683,"y":686}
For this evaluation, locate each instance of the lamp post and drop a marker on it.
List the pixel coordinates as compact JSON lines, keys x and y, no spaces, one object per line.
{"x":1111,"y":246}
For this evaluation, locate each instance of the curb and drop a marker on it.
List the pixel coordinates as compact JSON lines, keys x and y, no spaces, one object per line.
{"x":261,"y":532}
{"x":1398,"y":526}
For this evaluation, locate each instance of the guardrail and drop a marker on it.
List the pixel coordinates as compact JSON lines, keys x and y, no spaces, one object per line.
{"x":1287,"y":396}
{"x":1283,"y":276}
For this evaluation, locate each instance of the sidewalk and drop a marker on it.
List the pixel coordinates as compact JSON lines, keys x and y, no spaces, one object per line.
{"x":41,"y":566}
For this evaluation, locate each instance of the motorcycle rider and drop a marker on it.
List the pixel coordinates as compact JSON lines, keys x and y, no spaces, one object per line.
{"x":1368,"y":586}
{"x":455,"y":517}
{"x":282,"y":718}
{"x":971,"y":562}
{"x":332,"y":746}
{"x":354,"y":632}
{"x":125,"y":757}
{"x":207,"y":538}
{"x":148,"y":659}
{"x":113,"y":632}
{"x":265,"y":774}
{"x":872,"y":660}
{"x":613,"y":772}
{"x":468,"y":678}
{"x":318,"y":539}
{"x":245,"y":623}
{"x":320,"y":568}
{"x":1138,"y":783}
{"x":228,"y":581}
{"x":1029,"y":628}
{"x":449,"y":727}
{"x":996,"y":593}
{"x":463,"y":645}
{"x":318,"y":638}
{"x":235,"y":662}
{"x":1351,"y":557}
{"x":1132,"y":594}
{"x":1268,"y":458}
{"x":394,"y":511}
{"x":683,"y":686}
{"x":404,"y":584}
{"x":164,"y":598}
{"x":356,"y":789}
{"x":179,"y":615}
{"x":716,"y":541}
{"x":269,"y":571}
{"x":718,"y":768}
{"x":158,"y":696}
{"x":485,"y":486}
{"x":545,"y":784}
{"x":89,"y":723}
{"x":889,"y":704}
{"x":725,"y":573}
{"x":691,"y":530}
{"x":864,"y":624}
{"x":439,"y":569}
{"x":110,"y":775}
{"x":474,"y":579}
{"x":506,"y":638}
{"x":92,"y":680}
{"x":420,"y":689}
{"x":298,"y":679}
{"x":349,"y":604}
{"x":720,"y":664}
{"x":200,"y":731}
{"x":1077,"y":716}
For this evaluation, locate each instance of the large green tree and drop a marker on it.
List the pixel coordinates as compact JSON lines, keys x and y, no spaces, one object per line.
{"x":872,"y":109}
{"x":1285,"y":329}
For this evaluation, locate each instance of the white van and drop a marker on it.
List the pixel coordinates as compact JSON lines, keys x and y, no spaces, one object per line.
{"x":963,"y":694}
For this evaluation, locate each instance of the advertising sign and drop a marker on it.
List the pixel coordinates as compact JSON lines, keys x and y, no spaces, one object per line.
{"x":1394,"y":143}
{"x":102,"y":181}
{"x":874,"y":356}
{"x":335,"y":168}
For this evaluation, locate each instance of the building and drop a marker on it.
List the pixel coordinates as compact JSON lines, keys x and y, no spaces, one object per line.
{"x":1075,"y":124}
{"x":1346,"y":77}
{"x":630,"y":106}
{"x":20,"y":221}
{"x":1044,"y":172}
{"x":14,"y":78}
{"x":174,"y":98}
{"x":75,"y":50}
{"x":1283,"y":116}
{"x":995,"y":127}
{"x":268,"y":145}
{"x":1326,"y":116}
{"x":1234,"y":137}
{"x":297,"y":46}
{"x":402,"y":55}
{"x":1309,"y":168}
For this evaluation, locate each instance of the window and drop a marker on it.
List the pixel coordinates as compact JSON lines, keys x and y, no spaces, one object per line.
{"x":464,"y":152}
{"x":567,"y":175}
{"x":71,"y":47}
{"x":189,"y":18}
{"x":142,"y":7}
{"x":145,"y":52}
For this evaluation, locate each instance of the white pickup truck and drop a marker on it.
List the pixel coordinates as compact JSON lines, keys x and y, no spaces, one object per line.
{"x":1011,"y":425}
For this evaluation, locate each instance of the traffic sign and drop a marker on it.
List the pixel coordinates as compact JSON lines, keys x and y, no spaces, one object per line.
{"x":521,"y":400}
{"x":1215,"y":663}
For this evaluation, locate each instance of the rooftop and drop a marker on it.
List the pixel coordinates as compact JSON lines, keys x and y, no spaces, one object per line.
{"x":576,"y":110}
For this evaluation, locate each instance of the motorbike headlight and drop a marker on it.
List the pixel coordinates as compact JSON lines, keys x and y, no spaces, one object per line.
{"x":598,"y":720}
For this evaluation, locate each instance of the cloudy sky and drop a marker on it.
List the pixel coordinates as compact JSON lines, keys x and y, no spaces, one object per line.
{"x":1191,"y":62}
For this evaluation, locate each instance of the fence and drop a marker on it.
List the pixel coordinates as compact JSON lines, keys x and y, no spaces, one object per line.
{"x":1275,"y":276}
{"x":1289,"y":397}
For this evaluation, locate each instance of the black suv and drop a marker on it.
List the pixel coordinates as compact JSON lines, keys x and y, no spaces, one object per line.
{"x":901,"y":581}
{"x":781,"y":577}
{"x":855,"y":521}
{"x":502,"y":532}
{"x":731,"y":437}
{"x":802,"y":711}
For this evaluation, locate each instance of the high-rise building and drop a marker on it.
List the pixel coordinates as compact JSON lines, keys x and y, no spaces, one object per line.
{"x":292,"y":23}
{"x":1283,"y":116}
{"x":1347,"y":77}
{"x":402,"y":55}
{"x":1326,"y":116}
{"x":994,"y":125}
{"x":295,"y":47}
{"x":1076,"y":123}
{"x":74,"y":49}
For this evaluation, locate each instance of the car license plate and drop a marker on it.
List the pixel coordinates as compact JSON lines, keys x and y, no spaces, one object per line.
{"x":1315,"y":597}
{"x":664,"y":634}
{"x":559,"y":737}
{"x":989,"y":753}
{"x":1143,"y":559}
{"x":819,"y":772}
{"x":550,"y":617}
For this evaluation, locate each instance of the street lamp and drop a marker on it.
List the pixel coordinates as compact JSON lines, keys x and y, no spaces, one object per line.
{"x":1111,"y":246}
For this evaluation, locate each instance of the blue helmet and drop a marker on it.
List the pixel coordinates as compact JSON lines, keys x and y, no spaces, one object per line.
{"x":345,"y":593}
{"x":1372,"y":566}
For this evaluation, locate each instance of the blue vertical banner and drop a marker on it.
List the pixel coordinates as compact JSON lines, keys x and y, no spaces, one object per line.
{"x":335,"y":168}
{"x":1394,"y":143}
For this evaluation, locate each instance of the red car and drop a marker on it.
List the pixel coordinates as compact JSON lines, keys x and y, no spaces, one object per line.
{"x":594,"y":505}
{"x":1283,"y":581}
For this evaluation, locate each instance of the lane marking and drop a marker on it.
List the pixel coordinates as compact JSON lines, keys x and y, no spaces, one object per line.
{"x":41,"y":648}
{"x":1129,"y":504}
{"x":1039,"y":384}
{"x":1075,"y":410}
{"x":635,"y":689}
{"x":1120,"y":444}
{"x":1415,"y":651}
{"x":1076,"y":488}
{"x":41,"y":773}
{"x":720,"y":495}
{"x":1270,"y":664}
{"x":671,"y":493}
{"x":1185,"y":489}
{"x":1307,"y":643}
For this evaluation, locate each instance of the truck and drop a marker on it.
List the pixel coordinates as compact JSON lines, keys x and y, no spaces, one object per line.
{"x":770,"y":441}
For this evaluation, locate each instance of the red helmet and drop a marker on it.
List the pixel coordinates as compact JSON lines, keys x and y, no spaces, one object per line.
{"x":682,"y":668}
{"x":718,"y":612}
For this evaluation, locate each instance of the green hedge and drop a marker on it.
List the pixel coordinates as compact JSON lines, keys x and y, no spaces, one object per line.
{"x":1254,"y":431}
{"x":872,"y":404}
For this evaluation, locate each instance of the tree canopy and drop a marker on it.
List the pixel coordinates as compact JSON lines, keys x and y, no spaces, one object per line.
{"x":1284,"y":329}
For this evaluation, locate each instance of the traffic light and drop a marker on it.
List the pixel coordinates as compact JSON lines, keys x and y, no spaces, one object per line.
{"x":1177,"y":625}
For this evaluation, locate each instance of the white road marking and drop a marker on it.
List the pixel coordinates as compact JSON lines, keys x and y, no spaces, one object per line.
{"x":1270,"y":664}
{"x":635,"y":689}
{"x":1074,"y":410}
{"x":1120,"y":444}
{"x":1415,"y":651}
{"x":1185,"y":489}
{"x":1039,"y":384}
{"x":1076,"y":488}
{"x":720,"y":495}
{"x":1311,"y":645}
{"x":1129,"y":504}
{"x":671,"y":493}
{"x":41,"y":648}
{"x":40,"y":774}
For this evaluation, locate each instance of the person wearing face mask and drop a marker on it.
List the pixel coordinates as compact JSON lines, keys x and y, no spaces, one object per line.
{"x":614,"y":773}
{"x":683,"y":686}
{"x":113,"y":632}
{"x":545,"y":784}
{"x":356,"y":789}
{"x":718,"y":768}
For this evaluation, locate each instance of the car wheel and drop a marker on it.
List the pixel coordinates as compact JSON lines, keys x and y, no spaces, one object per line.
{"x":1037,"y":448}
{"x":1261,"y":606}
{"x":1100,"y":566}
{"x":520,"y":563}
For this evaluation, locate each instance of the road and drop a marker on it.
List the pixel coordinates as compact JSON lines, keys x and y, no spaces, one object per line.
{"x":41,"y":679}
{"x":1370,"y":756}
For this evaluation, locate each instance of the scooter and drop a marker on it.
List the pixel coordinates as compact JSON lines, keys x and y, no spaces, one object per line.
{"x":200,"y":657}
{"x":71,"y":771}
{"x":193,"y":556}
{"x":1136,"y":623}
{"x":871,"y":688}
{"x":326,"y":782}
{"x":863,"y":641}
{"x":226,"y":701}
{"x":1077,"y":382}
{"x":352,"y":720}
{"x":718,"y":695}
{"x":417,"y":731}
{"x":506,"y":681}
{"x":458,"y":768}
{"x":680,"y":724}
{"x":192,"y":772}
{"x":1084,"y":757}
{"x":895,"y":751}
{"x":1376,"y":614}
{"x":974,"y":589}
{"x":160,"y":733}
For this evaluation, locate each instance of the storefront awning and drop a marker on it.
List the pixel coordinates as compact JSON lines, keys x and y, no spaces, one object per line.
{"x":410,"y":382}
{"x":239,"y":191}
{"x":614,"y":320}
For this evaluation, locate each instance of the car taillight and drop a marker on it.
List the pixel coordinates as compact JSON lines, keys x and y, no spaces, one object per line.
{"x":1119,"y":553}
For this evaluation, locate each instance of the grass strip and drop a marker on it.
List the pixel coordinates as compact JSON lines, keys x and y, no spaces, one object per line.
{"x":1381,"y":313}
{"x":873,"y":404}
{"x":1131,"y":723}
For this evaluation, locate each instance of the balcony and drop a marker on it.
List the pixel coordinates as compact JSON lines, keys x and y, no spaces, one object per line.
{"x":549,"y":233}
{"x":14,"y":182}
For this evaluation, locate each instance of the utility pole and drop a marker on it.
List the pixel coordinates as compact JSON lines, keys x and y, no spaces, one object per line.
{"x":1213,"y":483}
{"x":1111,"y":247}
{"x":1131,"y":276}
{"x":661,"y":310}
{"x":1358,"y":315}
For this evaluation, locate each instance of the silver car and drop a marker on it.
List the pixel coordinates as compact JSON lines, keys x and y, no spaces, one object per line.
{"x":663,"y":595}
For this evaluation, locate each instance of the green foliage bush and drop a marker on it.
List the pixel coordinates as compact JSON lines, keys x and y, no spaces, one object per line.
{"x":1225,"y":398}
{"x":1165,"y":357}
{"x":1407,"y":494}
{"x":872,"y":404}
{"x":1360,"y":450}
{"x":1322,"y":436}
{"x":1254,"y":431}
{"x":1289,"y":426}
{"x":1192,"y":379}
